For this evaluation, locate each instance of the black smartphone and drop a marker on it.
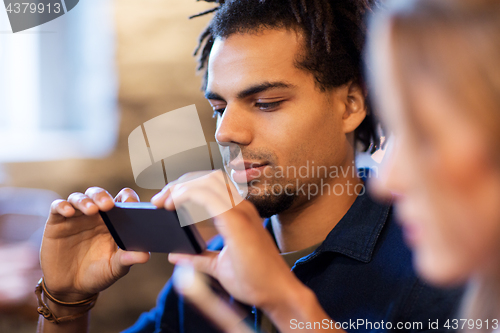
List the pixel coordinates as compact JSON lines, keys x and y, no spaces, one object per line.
{"x":140,"y":226}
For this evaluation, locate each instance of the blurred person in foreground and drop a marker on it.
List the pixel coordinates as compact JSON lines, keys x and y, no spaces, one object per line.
{"x":436,"y":74}
{"x":284,"y":79}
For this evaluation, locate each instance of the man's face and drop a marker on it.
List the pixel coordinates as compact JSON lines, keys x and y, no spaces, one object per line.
{"x":276,"y":115}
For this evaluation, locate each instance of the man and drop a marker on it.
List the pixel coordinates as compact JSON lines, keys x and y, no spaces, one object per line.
{"x":284,"y":79}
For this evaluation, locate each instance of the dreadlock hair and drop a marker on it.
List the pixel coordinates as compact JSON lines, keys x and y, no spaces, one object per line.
{"x":334,"y":32}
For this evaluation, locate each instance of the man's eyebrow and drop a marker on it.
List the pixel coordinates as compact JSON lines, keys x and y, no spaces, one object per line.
{"x":251,"y":90}
{"x":212,"y":95}
{"x":263,"y":87}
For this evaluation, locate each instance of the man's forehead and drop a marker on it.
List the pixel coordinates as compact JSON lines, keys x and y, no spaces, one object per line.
{"x":245,"y":60}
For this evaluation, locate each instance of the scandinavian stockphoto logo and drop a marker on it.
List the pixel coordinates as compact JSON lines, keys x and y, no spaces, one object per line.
{"x":25,"y":14}
{"x":171,"y":145}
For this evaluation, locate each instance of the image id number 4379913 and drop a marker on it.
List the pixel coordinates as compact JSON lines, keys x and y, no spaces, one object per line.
{"x":460,"y":324}
{"x":27,"y":7}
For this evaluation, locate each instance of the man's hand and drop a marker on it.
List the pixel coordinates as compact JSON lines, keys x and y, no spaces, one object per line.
{"x":78,"y":255}
{"x":249,"y":267}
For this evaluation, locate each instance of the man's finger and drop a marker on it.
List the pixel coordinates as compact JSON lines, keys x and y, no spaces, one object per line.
{"x":83,"y":203}
{"x":101,"y":198}
{"x":205,"y":262}
{"x":211,"y":192}
{"x":122,"y":260}
{"x":62,"y":207}
{"x":210,"y":186}
{"x":232,"y":223}
{"x":127,"y":195}
{"x":159,"y":199}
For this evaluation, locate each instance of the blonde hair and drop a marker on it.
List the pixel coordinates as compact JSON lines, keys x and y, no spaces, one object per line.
{"x":455,"y":43}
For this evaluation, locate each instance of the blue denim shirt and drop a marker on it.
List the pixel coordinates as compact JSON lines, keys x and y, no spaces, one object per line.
{"x":361,"y":274}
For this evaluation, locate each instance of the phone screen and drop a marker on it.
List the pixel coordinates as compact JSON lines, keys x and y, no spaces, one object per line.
{"x":141,"y":226}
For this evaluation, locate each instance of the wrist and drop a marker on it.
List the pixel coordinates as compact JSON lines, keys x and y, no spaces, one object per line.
{"x":61,"y":310}
{"x":63,"y":297}
{"x":57,"y":311}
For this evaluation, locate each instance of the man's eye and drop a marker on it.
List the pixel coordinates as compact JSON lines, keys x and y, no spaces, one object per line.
{"x":268,"y":106}
{"x":218,"y":112}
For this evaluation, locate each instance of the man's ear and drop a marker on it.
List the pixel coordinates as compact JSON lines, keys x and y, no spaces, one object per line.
{"x":355,"y":106}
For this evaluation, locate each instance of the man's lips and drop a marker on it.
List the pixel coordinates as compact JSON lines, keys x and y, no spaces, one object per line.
{"x":244,"y":172}
{"x":240,"y":164}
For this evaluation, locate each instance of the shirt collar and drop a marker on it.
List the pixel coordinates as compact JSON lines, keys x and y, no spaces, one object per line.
{"x":357,"y":232}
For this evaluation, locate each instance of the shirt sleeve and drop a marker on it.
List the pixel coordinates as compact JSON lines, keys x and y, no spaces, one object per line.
{"x":164,"y":317}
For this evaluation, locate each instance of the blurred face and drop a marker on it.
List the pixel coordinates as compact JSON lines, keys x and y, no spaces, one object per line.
{"x":275,"y":115}
{"x":443,"y":176}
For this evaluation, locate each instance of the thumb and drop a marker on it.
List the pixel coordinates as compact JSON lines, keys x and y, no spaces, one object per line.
{"x":124,"y":259}
{"x":205,"y":262}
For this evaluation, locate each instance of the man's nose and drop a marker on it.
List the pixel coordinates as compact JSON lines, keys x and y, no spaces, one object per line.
{"x":235,"y":126}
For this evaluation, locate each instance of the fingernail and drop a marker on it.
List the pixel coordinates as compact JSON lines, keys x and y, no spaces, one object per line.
{"x":89,"y":204}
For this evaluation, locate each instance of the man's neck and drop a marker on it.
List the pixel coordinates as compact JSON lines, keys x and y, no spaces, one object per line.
{"x":309,"y":224}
